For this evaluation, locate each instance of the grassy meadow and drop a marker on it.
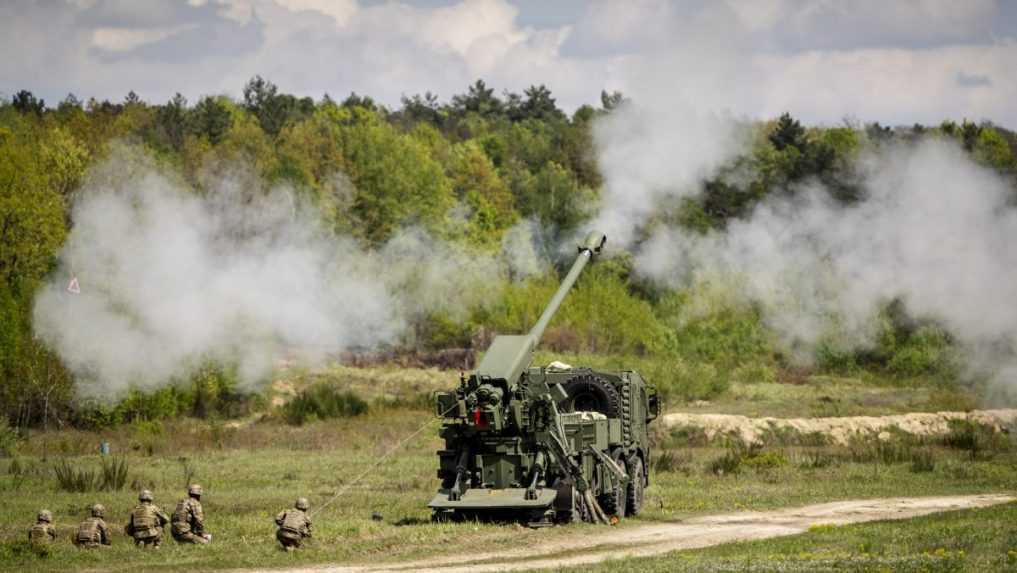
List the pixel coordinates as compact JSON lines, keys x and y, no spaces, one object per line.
{"x":962,"y":541}
{"x":255,"y":467}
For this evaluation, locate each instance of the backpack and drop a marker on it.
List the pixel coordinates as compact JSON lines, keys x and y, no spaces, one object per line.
{"x":144,"y":521}
{"x":39,"y":533}
{"x":294,"y":521}
{"x":182,"y":518}
{"x":88,"y":531}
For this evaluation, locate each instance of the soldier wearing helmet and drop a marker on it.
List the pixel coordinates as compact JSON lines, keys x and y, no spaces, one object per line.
{"x":93,"y":532}
{"x":146,"y":522}
{"x":42,"y":533}
{"x":189,"y":519}
{"x":294,"y":525}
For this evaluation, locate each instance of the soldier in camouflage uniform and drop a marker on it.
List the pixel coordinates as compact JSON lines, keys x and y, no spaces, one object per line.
{"x":93,"y":532}
{"x":189,"y":519}
{"x":146,"y":522}
{"x":42,"y":533}
{"x":294,"y":525}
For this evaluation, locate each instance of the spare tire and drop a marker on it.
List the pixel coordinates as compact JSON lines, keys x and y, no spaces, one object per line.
{"x":591,"y":393}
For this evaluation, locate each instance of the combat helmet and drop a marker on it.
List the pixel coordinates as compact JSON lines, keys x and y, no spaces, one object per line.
{"x":301,"y":504}
{"x":145,"y":495}
{"x":98,"y":510}
{"x":45,"y":515}
{"x":194,"y":490}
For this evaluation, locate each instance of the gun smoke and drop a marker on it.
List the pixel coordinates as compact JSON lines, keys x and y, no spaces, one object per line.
{"x":240,"y":274}
{"x":933,"y":230}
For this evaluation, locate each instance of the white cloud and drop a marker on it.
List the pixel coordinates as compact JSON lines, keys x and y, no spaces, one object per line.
{"x":127,"y":39}
{"x":893,"y":62}
{"x":340,"y":10}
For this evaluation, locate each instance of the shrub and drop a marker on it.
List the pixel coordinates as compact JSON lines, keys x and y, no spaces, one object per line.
{"x":671,"y":461}
{"x":322,"y":401}
{"x":739,"y":453}
{"x":600,"y":315}
{"x":926,"y":351}
{"x":688,"y":436}
{"x":727,"y":464}
{"x":9,"y":439}
{"x":112,"y":476}
{"x":18,"y":472}
{"x":74,"y":480}
{"x":713,"y":325}
{"x":813,"y":459}
{"x":765,"y":460}
{"x":922,"y":460}
{"x":212,"y":391}
{"x":754,"y":373}
{"x":439,"y":330}
{"x":113,"y":473}
{"x":831,"y":358}
{"x":676,"y":378}
{"x":978,"y":440}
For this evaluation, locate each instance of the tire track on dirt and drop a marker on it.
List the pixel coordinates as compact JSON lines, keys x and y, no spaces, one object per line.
{"x":585,"y":548}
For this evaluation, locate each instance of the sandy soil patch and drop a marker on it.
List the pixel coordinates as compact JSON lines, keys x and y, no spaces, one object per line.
{"x":840,"y":430}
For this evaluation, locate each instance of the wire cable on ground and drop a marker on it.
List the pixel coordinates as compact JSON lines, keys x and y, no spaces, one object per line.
{"x":346,"y":487}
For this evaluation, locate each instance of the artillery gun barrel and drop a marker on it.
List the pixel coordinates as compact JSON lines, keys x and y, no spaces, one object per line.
{"x":592,"y":245}
{"x":510,"y":355}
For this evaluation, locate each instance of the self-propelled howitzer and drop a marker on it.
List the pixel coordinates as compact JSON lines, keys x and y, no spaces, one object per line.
{"x":544,"y":444}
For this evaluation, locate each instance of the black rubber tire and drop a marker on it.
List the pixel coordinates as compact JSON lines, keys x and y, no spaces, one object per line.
{"x":614,"y":502}
{"x":588,"y":392}
{"x":566,"y":496}
{"x":636,"y":487}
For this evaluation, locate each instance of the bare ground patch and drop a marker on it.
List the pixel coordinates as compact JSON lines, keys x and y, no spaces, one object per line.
{"x":585,"y":547}
{"x":839,"y":430}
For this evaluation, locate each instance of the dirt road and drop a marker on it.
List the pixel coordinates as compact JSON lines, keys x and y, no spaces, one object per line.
{"x":657,"y":538}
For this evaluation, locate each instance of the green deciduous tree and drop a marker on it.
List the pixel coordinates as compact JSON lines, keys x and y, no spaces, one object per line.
{"x":478,"y":186}
{"x":397,"y":182}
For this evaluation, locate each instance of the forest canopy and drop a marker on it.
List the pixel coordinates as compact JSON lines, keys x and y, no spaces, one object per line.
{"x":465,"y":171}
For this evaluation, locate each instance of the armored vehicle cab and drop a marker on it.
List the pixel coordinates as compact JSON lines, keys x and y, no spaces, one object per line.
{"x":544,"y":444}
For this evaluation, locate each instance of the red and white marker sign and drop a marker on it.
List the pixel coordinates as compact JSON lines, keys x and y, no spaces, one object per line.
{"x":74,"y":287}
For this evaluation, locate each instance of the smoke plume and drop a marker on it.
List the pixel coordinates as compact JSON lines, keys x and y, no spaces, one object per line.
{"x":933,"y":230}
{"x":170,"y":279}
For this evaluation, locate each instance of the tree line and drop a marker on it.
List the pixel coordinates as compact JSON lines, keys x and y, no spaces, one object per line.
{"x":504,"y":157}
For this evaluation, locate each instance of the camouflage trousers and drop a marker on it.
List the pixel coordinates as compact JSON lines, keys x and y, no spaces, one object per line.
{"x":289,"y":539}
{"x":189,"y":537}
{"x":153,"y":541}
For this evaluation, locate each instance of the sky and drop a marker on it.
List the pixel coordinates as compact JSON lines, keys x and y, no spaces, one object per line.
{"x":825,"y":61}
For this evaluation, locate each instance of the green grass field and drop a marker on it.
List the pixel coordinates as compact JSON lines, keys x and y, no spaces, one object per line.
{"x":976,"y":540}
{"x":252,"y":470}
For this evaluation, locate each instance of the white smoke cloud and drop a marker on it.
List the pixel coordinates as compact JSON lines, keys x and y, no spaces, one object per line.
{"x":649,"y":155}
{"x":935,"y":230}
{"x":171,"y":279}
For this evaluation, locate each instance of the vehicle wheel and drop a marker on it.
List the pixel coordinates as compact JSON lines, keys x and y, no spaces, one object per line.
{"x":565,"y":502}
{"x":636,"y":487}
{"x":614,"y":501}
{"x":590,"y":393}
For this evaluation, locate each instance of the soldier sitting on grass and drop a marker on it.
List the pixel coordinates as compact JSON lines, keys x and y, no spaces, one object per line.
{"x":93,"y":532}
{"x":294,"y":525}
{"x":189,"y":519}
{"x":146,"y":522}
{"x":42,"y":533}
